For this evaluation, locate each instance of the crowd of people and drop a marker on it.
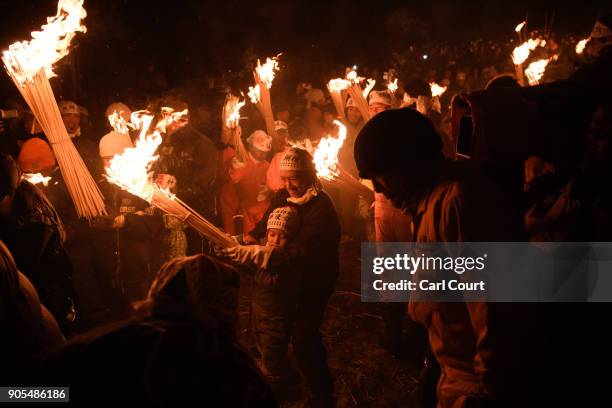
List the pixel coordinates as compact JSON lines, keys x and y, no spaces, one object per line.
{"x":138,"y":301}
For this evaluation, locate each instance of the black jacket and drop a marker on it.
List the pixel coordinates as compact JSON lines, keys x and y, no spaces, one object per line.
{"x":33,"y":233}
{"x":316,"y":245}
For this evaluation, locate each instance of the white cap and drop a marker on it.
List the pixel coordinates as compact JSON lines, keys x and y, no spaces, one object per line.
{"x":114,"y":143}
{"x":68,"y":107}
{"x":350,"y":103}
{"x":285,"y":219}
{"x":260,"y":140}
{"x":280,"y":125}
{"x":381,"y":97}
{"x":121,"y":109}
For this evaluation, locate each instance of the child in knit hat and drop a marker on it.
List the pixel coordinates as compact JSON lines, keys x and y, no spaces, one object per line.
{"x":274,"y":294}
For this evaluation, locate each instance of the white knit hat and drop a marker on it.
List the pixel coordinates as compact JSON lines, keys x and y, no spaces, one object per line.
{"x":260,"y":140}
{"x":381,"y":97}
{"x":285,"y":219}
{"x":296,"y":159}
{"x":114,"y":143}
{"x":68,"y":107}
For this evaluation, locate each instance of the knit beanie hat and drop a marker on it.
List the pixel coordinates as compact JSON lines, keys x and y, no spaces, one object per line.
{"x":297,"y":159}
{"x":285,"y":219}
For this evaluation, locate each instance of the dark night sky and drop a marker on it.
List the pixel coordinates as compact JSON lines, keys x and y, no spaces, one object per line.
{"x":188,"y":38}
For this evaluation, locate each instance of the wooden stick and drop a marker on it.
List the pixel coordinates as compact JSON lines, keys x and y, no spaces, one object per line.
{"x":177,"y":208}
{"x":39,"y":96}
{"x":338,"y":101}
{"x":356,"y":94}
{"x":519,"y":74}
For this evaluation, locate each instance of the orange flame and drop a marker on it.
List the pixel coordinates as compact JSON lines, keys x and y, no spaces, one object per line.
{"x":232,"y":108}
{"x":369,"y":87}
{"x":130,"y":170}
{"x":36,"y":178}
{"x":392,"y":86}
{"x":24,"y":59}
{"x":521,"y":53}
{"x":520,"y":26}
{"x":581,"y":45}
{"x":119,"y":124}
{"x":267,"y":71}
{"x":325,"y":156}
{"x":352,"y":76}
{"x":169,"y":116}
{"x":254,"y":94}
{"x":436,"y":90}
{"x":535,"y":71}
{"x":338,"y":85}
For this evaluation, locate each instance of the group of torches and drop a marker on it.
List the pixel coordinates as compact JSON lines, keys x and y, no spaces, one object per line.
{"x":536,"y":69}
{"x":29,"y":64}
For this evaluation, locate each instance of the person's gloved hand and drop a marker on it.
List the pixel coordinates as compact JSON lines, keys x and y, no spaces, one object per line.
{"x":218,"y":250}
{"x":119,"y":222}
{"x":237,"y":164}
{"x":251,"y":255}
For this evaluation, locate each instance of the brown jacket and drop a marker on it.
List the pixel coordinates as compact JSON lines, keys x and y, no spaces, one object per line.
{"x":472,"y":341}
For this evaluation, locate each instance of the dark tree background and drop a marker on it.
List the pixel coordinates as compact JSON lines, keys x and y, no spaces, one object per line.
{"x":186,"y":39}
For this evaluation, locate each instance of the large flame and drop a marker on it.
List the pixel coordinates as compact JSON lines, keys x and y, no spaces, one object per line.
{"x":338,"y":85}
{"x":325,"y":156}
{"x":254,"y":94}
{"x":369,"y":87}
{"x":130,"y":170}
{"x":24,"y":59}
{"x":267,"y":71}
{"x":232,"y":108}
{"x":521,"y":53}
{"x":352,"y":76}
{"x":436,"y":90}
{"x":119,"y":124}
{"x":535,"y":71}
{"x":581,"y":45}
{"x":392,"y":86}
{"x":520,"y":26}
{"x":36,"y":178}
{"x":170,"y":116}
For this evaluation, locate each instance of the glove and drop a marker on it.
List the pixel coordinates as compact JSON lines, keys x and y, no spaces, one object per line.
{"x":218,"y":250}
{"x":119,"y":222}
{"x":237,"y":164}
{"x":250,"y":255}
